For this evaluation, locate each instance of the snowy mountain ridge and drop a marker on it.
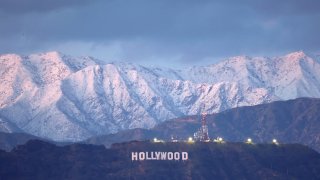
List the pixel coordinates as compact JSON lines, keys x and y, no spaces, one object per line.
{"x":65,"y":98}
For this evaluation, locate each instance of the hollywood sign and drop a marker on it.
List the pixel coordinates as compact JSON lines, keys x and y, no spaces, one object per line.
{"x":142,"y":156}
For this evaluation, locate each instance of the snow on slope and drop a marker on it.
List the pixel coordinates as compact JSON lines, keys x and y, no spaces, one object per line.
{"x":30,"y":89}
{"x":68,"y":99}
{"x":288,"y":77}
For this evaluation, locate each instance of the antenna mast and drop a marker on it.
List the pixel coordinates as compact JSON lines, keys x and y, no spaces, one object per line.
{"x":202,"y":134}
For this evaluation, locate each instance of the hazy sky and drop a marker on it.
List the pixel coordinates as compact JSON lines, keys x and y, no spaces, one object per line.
{"x":165,"y":32}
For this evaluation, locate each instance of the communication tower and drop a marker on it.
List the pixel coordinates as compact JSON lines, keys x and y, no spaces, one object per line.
{"x":202,"y":133}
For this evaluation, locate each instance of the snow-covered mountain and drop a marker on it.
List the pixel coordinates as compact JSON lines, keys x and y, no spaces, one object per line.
{"x":65,"y":98}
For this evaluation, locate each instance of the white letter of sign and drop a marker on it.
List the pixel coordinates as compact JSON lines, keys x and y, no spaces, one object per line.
{"x":134,"y":156}
{"x":185,"y":156}
{"x":176,"y":156}
{"x":142,"y":156}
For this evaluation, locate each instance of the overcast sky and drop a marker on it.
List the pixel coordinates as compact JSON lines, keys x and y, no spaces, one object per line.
{"x":161,"y":32}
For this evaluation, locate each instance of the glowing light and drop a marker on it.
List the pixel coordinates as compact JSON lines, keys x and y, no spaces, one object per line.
{"x":218,"y":140}
{"x":274,"y":141}
{"x":190,"y":140}
{"x":155,"y":140}
{"x":249,"y":141}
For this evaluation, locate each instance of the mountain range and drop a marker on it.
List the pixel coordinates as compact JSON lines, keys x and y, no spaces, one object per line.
{"x":65,"y":98}
{"x":292,"y":121}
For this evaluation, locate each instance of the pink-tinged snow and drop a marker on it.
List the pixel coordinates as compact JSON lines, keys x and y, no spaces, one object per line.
{"x":66,"y":98}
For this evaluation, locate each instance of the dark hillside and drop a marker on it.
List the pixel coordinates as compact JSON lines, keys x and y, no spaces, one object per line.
{"x":42,"y":160}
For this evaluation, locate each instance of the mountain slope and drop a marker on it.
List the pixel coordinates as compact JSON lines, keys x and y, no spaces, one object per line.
{"x":288,"y":77}
{"x":293,"y":121}
{"x":63,"y":98}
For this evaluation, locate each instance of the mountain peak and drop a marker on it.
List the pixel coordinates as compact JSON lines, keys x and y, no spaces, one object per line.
{"x":48,"y":55}
{"x":297,"y":55}
{"x":9,"y":56}
{"x":238,"y":59}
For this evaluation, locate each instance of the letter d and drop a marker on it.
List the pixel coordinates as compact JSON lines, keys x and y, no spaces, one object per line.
{"x":185,"y":156}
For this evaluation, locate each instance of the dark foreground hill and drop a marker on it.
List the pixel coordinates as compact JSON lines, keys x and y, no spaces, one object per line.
{"x":42,"y":160}
{"x":293,"y":121}
{"x":10,"y":140}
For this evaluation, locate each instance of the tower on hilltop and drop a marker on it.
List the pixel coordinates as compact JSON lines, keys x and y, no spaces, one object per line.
{"x":202,"y":133}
